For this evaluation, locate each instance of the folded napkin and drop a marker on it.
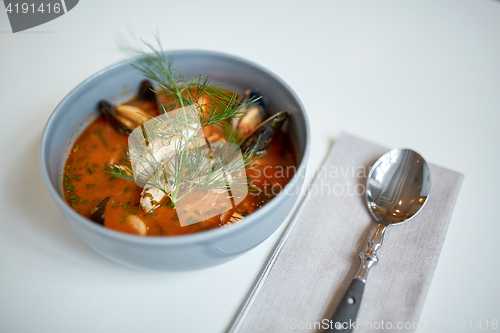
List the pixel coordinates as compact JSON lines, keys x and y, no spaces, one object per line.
{"x":318,"y":255}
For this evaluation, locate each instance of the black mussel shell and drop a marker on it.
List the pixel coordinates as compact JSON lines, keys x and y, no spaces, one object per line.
{"x":146,"y":93}
{"x":260,"y":100}
{"x":263,"y":134}
{"x":98,"y":211}
{"x":109,"y":112}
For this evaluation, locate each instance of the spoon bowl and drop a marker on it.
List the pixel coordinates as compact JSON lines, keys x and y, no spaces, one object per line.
{"x":398,"y":186}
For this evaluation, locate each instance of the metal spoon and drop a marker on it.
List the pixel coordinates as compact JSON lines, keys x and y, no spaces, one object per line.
{"x":396,"y":190}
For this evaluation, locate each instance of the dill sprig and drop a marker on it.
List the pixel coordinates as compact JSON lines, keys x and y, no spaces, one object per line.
{"x":185,"y":91}
{"x":192,"y":167}
{"x":178,"y":162}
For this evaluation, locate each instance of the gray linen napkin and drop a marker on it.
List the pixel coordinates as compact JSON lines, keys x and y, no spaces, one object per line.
{"x":317,"y":257}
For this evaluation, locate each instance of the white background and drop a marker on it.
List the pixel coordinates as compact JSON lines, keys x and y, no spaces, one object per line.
{"x":418,"y":74}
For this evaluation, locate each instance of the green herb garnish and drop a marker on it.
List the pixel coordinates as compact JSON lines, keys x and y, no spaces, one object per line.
{"x":190,"y":174}
{"x":99,"y":134}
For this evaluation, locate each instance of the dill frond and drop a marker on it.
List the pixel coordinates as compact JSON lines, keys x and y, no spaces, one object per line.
{"x":191,"y":167}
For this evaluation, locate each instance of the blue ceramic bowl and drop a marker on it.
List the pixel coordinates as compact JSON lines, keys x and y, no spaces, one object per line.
{"x":119,"y":83}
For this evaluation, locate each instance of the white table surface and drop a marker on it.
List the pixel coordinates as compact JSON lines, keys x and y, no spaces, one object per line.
{"x":418,"y":74}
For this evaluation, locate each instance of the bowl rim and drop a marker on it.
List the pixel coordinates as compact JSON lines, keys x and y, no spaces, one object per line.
{"x":187,"y":239}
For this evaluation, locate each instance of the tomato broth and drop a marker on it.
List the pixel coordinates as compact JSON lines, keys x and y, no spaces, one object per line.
{"x":86,"y":183}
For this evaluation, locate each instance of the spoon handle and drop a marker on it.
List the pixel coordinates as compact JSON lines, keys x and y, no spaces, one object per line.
{"x":344,"y":318}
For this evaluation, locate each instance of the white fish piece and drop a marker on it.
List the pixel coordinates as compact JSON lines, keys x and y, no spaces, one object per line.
{"x":166,"y":136}
{"x":161,"y":149}
{"x":150,"y":198}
